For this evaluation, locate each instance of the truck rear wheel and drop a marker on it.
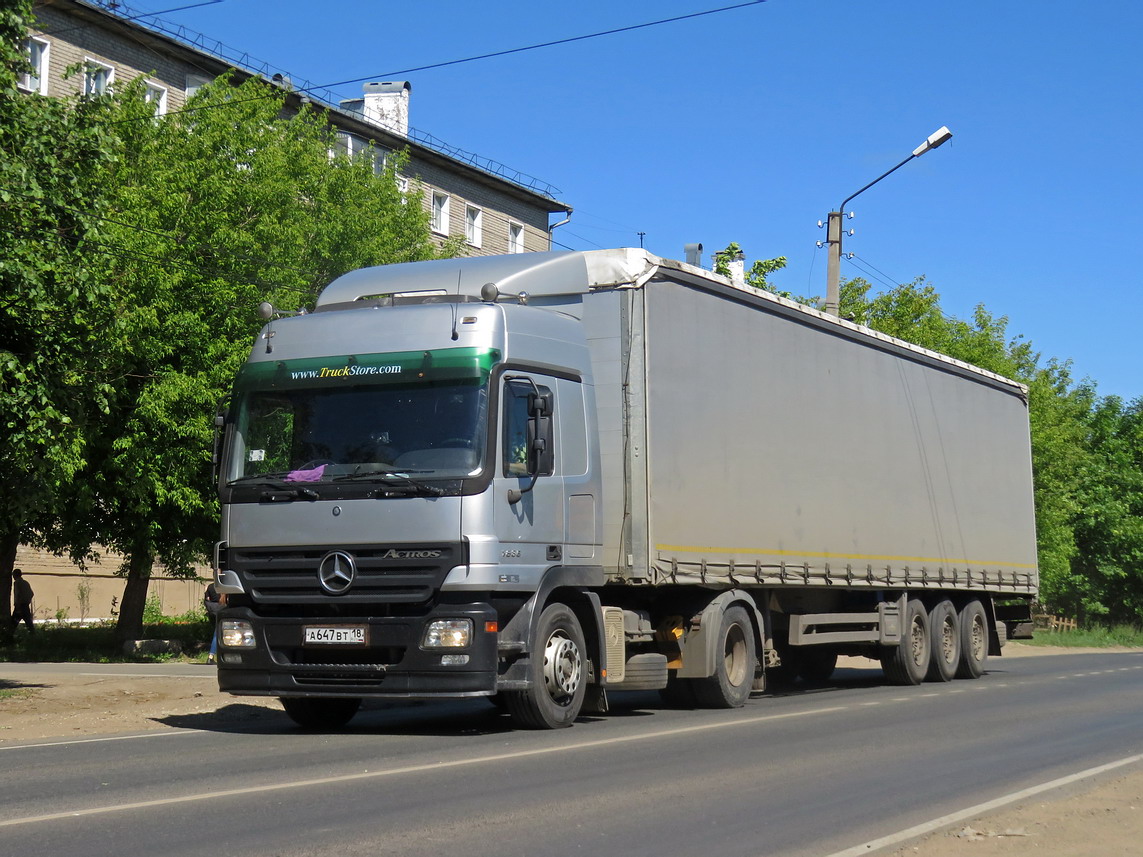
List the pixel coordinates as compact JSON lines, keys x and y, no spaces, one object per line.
{"x":320,"y":712}
{"x":945,"y":629}
{"x":559,"y":673}
{"x":908,"y":662}
{"x":733,"y":677}
{"x":973,"y":640}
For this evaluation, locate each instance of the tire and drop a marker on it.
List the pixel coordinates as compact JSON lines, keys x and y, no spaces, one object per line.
{"x":973,"y":640}
{"x":316,"y":712}
{"x":733,"y":677}
{"x":558,"y":673}
{"x":908,"y":662}
{"x":816,"y":665}
{"x":945,"y":629}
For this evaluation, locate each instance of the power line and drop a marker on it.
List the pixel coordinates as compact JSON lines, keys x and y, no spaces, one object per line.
{"x":878,"y":270}
{"x":550,"y":44}
{"x":446,"y":63}
{"x":869,"y":272}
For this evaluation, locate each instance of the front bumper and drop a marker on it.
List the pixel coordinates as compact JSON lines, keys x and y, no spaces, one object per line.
{"x":393,"y":664}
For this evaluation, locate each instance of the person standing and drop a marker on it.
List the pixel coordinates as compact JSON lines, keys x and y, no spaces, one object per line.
{"x":214,"y":601}
{"x":22,"y":596}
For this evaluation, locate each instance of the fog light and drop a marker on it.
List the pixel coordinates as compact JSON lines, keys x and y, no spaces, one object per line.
{"x":454,"y":660}
{"x":447,"y":634}
{"x":236,"y":634}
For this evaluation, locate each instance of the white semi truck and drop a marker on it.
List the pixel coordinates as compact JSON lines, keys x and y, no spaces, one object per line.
{"x":542,"y":477}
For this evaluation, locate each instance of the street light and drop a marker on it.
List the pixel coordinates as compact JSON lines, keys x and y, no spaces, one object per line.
{"x":833,"y":232}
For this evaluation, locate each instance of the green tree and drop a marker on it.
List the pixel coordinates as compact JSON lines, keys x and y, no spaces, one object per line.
{"x":758,"y":272}
{"x":1107,"y":568}
{"x":53,"y":307}
{"x":215,"y":210}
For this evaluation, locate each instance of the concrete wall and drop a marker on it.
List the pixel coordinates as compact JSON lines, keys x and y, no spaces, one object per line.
{"x":55,"y":582}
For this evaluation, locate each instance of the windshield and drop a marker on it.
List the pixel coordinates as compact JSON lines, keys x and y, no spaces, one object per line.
{"x":320,"y":432}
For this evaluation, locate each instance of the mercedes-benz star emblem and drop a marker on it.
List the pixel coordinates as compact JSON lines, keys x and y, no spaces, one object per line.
{"x":336,"y":572}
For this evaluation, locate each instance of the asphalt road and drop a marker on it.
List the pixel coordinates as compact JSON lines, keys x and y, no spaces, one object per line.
{"x":816,"y":771}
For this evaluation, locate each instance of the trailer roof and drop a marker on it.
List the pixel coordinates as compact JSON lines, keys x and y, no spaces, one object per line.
{"x":578,"y":272}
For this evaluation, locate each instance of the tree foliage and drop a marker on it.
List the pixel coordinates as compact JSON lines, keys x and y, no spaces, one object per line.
{"x":143,"y":246}
{"x":53,"y":306}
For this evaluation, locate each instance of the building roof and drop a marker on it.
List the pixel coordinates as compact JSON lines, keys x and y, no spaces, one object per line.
{"x":179,"y":40}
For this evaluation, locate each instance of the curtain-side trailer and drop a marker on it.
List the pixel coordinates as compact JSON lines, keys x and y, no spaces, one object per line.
{"x":541,"y":477}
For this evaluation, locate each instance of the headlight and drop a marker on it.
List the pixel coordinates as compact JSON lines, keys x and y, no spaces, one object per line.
{"x":447,"y":634}
{"x":236,"y":634}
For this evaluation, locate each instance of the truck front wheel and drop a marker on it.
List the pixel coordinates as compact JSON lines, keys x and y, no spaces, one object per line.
{"x":331,"y":712}
{"x":733,"y":677}
{"x":559,"y":673}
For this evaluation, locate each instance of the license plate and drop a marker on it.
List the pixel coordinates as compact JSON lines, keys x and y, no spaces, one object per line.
{"x":335,"y":635}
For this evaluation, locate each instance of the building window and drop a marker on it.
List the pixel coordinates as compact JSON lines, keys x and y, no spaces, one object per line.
{"x":353,"y":146}
{"x":97,"y":77}
{"x":473,"y":225}
{"x":156,"y":96}
{"x":37,"y":79}
{"x":349,"y":145}
{"x":439,"y":217}
{"x":515,"y":237}
{"x":195,"y":82}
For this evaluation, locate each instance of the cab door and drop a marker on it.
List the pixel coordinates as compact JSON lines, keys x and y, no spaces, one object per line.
{"x":531,"y":529}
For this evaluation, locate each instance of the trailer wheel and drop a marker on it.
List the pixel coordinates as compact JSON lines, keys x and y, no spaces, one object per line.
{"x":559,"y":673}
{"x":945,"y":629}
{"x":729,"y":687}
{"x":908,"y":662}
{"x":973,"y":640}
{"x":330,"y":712}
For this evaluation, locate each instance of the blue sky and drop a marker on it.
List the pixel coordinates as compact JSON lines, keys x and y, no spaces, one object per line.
{"x":750,"y":125}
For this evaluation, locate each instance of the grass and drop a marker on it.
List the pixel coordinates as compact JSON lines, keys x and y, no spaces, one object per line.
{"x":57,"y":643}
{"x":1096,"y":636}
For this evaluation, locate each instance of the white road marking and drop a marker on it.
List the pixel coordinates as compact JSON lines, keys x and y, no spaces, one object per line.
{"x":73,"y":741}
{"x":988,"y":806}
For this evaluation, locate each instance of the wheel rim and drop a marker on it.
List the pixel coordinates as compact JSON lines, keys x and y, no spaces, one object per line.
{"x":734,"y":656}
{"x":563,"y":667}
{"x":948,"y":640}
{"x":917,"y":647}
{"x":979,"y":639}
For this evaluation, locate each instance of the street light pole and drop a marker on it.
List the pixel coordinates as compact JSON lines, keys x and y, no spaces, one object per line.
{"x":834,"y":231}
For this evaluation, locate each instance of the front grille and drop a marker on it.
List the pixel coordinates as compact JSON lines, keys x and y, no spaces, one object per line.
{"x":386,"y":574}
{"x":372,"y":658}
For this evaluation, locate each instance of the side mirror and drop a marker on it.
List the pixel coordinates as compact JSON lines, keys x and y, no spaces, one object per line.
{"x":219,"y":430}
{"x":541,"y":459}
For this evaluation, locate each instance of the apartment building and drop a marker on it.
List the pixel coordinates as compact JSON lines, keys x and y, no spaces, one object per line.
{"x":493,"y":208}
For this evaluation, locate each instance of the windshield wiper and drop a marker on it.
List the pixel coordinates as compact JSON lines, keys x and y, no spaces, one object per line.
{"x":401,"y":479}
{"x":270,"y":479}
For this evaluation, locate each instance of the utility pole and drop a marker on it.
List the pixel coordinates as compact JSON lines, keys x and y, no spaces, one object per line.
{"x":834,"y":230}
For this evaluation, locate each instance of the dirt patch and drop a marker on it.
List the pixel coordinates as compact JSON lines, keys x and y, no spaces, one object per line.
{"x":58,"y":705}
{"x":1102,"y":817}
